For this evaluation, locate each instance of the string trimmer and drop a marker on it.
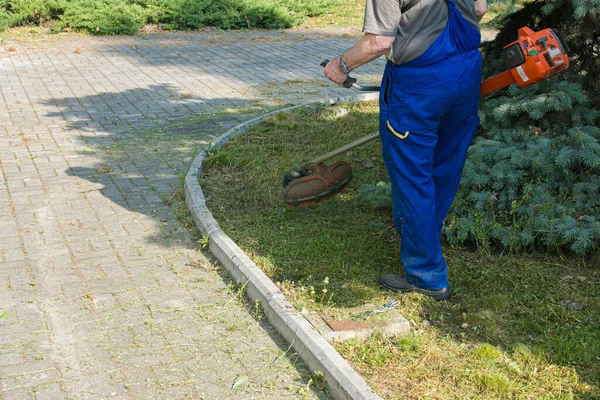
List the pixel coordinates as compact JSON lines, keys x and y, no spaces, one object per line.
{"x":533,"y":57}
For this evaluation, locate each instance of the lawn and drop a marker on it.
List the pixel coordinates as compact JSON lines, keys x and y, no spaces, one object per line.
{"x":518,"y":326}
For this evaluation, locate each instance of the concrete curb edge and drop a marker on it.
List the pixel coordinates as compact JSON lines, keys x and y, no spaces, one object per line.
{"x":342,"y":381}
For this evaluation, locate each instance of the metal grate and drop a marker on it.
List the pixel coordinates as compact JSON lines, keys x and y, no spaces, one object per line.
{"x":548,"y":59}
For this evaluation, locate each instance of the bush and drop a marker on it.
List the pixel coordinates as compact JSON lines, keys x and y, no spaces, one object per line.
{"x":127,"y":16}
{"x":102,"y":17}
{"x":532,"y":177}
{"x":20,"y":12}
{"x":227,"y":14}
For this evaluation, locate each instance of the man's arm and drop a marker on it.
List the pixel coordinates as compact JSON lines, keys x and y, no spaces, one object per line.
{"x":368,"y":48}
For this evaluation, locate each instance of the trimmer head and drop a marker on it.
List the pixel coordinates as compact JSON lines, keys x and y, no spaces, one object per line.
{"x":321,"y":184}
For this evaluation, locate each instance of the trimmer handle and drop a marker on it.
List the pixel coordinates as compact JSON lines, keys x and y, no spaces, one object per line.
{"x":351,"y":82}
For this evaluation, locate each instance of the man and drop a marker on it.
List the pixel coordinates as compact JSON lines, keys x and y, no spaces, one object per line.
{"x":428,"y":116}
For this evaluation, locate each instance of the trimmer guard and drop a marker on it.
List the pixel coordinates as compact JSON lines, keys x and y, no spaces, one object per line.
{"x":323,"y":183}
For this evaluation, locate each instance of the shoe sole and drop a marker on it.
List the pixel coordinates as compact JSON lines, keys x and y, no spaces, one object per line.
{"x":430,"y":293}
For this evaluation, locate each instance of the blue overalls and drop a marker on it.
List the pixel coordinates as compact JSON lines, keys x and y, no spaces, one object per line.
{"x":428,"y":116}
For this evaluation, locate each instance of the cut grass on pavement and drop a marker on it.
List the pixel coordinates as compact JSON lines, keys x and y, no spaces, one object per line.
{"x":518,"y":326}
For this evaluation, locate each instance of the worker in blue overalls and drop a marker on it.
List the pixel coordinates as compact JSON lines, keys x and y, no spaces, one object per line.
{"x":428,"y":116}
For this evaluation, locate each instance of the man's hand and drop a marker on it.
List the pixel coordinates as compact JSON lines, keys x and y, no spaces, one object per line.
{"x":368,"y":48}
{"x":334,"y":73}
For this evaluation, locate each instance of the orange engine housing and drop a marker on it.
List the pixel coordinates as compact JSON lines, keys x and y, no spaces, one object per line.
{"x":533,"y":57}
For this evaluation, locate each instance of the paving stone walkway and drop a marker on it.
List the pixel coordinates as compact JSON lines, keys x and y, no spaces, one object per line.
{"x":104,"y":293}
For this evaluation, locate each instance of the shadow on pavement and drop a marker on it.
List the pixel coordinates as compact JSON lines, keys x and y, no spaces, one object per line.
{"x":136,"y":146}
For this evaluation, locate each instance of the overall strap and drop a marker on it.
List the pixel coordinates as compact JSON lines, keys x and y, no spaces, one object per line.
{"x":409,"y":5}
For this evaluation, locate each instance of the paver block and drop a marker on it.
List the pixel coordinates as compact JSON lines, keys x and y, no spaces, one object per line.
{"x":354,"y":324}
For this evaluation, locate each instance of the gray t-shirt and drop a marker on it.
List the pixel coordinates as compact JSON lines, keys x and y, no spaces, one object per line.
{"x":415,"y":23}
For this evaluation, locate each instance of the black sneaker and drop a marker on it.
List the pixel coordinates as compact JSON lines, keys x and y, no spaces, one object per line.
{"x":398,"y":283}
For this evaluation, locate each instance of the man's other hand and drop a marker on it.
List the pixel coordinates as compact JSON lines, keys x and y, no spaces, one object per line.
{"x":480,"y":9}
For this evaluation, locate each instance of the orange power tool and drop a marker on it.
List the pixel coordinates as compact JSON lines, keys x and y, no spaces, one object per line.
{"x":533,"y":57}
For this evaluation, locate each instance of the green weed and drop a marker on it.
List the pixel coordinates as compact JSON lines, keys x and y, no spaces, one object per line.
{"x":204,"y":241}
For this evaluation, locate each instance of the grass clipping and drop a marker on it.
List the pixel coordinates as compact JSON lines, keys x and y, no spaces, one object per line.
{"x":517,"y":327}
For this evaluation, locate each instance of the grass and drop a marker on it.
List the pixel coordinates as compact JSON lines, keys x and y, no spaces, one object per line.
{"x":346,"y":13}
{"x":510,"y":330}
{"x":350,"y":13}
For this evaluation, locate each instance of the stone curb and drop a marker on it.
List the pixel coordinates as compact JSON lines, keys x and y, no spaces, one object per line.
{"x":342,"y":381}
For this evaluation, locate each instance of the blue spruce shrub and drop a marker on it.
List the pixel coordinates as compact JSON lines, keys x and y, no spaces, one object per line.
{"x":532,"y":177}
